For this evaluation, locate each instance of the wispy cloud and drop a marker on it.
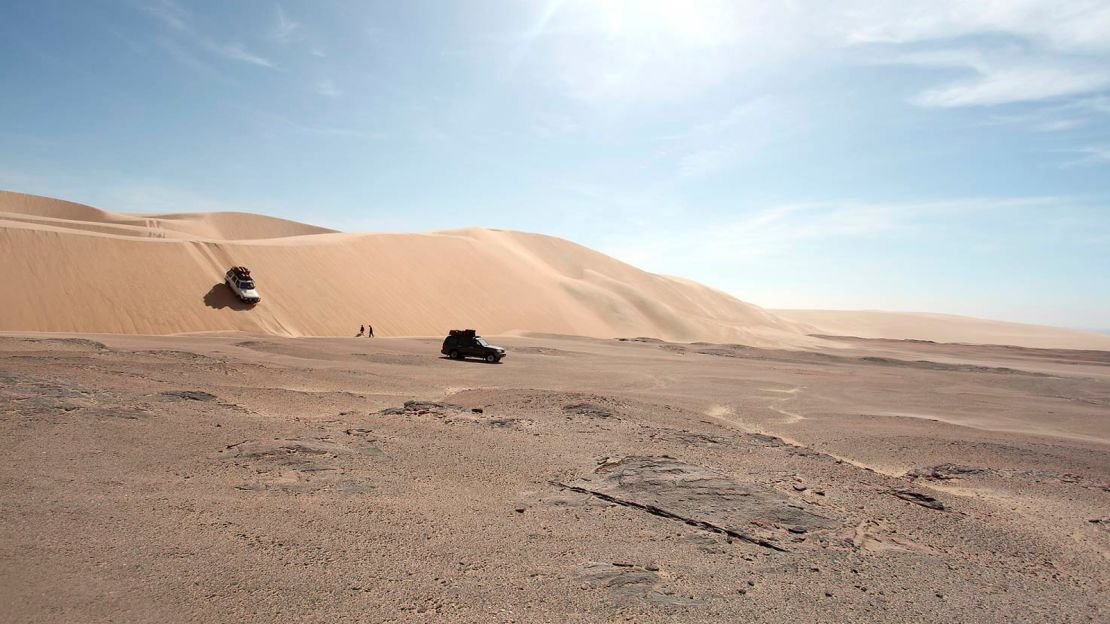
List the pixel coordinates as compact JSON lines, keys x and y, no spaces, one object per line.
{"x":721,"y":142}
{"x":1004,"y":78}
{"x":275,"y":125}
{"x":1090,"y":156}
{"x":327,"y":88}
{"x":177,"y":19}
{"x":236,"y":51}
{"x":1016,"y":51}
{"x":184,"y":56}
{"x":285,"y":29}
{"x":166,"y":11}
{"x":778,"y":229}
{"x":551,"y":125}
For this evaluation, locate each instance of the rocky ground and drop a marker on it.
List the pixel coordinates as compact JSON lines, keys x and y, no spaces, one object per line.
{"x":241,"y":479}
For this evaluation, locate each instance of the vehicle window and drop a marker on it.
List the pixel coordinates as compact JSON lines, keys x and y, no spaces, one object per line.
{"x":246,"y":285}
{"x":481,"y":341}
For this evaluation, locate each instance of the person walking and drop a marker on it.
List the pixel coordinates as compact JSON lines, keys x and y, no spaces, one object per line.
{"x":369,"y":330}
{"x":361,"y":331}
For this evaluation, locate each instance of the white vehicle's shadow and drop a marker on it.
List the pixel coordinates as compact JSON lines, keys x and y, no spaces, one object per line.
{"x":220,"y":296}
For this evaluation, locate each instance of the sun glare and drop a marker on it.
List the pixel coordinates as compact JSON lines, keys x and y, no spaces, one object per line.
{"x":690,"y":23}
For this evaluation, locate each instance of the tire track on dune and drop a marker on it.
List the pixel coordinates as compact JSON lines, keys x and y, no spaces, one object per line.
{"x":214,"y":257}
{"x":722,"y":414}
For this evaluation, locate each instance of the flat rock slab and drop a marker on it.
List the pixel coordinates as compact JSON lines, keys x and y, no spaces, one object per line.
{"x":628,"y":581}
{"x":702,"y":497}
{"x":301,"y":465}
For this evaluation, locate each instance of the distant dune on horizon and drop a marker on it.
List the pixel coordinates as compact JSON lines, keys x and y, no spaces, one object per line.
{"x":69,"y":267}
{"x":944,"y":328}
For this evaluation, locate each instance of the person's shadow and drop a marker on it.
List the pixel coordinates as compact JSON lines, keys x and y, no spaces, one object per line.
{"x":220,"y":296}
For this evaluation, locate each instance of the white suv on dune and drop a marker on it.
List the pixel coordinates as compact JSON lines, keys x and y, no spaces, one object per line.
{"x":239,"y":280}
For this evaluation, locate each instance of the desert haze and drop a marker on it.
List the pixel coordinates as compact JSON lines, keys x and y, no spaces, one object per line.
{"x":651,"y":449}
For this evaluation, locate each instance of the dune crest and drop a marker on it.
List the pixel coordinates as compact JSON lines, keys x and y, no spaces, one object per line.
{"x":74,"y":268}
{"x":943,"y":328}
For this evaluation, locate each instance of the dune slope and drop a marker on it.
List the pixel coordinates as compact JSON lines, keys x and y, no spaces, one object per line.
{"x":943,"y":328}
{"x":73,"y":268}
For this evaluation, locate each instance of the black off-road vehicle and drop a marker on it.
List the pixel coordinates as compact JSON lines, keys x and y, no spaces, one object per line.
{"x":464,"y":343}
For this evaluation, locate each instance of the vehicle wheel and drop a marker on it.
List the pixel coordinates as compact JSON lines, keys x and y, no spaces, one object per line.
{"x":491,"y":358}
{"x":454,"y":355}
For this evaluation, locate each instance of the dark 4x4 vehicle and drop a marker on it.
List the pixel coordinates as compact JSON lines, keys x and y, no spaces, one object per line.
{"x":462,"y":343}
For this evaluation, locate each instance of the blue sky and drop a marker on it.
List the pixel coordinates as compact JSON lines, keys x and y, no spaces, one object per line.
{"x":934,"y":156}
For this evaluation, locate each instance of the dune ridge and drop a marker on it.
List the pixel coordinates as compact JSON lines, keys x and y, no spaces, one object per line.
{"x":74,"y":268}
{"x":943,"y":328}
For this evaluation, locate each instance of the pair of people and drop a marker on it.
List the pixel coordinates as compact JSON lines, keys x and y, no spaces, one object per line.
{"x":365,"y":329}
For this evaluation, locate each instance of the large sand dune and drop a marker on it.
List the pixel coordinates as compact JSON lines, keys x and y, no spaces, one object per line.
{"x":943,"y":328}
{"x":73,"y":268}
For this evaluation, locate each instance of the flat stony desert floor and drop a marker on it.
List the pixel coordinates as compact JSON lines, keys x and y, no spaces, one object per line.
{"x":234,"y":478}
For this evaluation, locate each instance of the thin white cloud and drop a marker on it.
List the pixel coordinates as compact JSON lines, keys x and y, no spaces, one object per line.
{"x":779,"y":229}
{"x":551,"y":125}
{"x":327,"y":88}
{"x":1090,"y":156}
{"x":375,"y":34}
{"x":285,"y":29}
{"x":1014,"y":50}
{"x":166,"y":11}
{"x":236,"y":51}
{"x":1003,"y":78}
{"x":177,"y":19}
{"x":274,"y":125}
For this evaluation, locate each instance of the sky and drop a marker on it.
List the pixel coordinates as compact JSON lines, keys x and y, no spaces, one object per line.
{"x":942,"y":156}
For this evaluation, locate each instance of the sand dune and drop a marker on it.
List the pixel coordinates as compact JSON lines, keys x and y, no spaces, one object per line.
{"x":49,"y":213}
{"x":943,"y":328}
{"x":68,"y":267}
{"x":74,"y":268}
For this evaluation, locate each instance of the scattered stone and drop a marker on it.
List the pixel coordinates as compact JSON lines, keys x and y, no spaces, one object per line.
{"x":422,"y":408}
{"x":943,"y":472}
{"x":190,"y":395}
{"x":591,"y":410}
{"x":768,"y":439}
{"x":629,"y":582}
{"x":477,"y":410}
{"x":799,"y":488}
{"x":919,"y":498}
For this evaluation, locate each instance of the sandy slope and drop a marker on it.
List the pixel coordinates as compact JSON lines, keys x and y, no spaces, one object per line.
{"x":943,"y":328}
{"x":69,"y":267}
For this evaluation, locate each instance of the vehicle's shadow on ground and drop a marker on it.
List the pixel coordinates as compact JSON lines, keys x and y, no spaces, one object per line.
{"x":470,"y":360}
{"x":220,"y":296}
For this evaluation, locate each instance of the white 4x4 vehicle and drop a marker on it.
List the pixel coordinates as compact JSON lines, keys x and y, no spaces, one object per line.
{"x":239,"y":280}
